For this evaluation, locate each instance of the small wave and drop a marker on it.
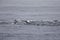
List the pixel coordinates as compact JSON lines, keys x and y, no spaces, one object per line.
{"x":31,"y":22}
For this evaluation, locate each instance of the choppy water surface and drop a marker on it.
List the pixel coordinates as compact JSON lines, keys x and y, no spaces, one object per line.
{"x":28,"y":32}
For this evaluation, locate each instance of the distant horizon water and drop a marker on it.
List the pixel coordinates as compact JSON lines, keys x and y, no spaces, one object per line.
{"x":30,"y":9}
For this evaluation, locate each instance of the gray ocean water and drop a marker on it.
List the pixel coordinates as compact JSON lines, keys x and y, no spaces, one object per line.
{"x":29,"y":10}
{"x":30,"y":13}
